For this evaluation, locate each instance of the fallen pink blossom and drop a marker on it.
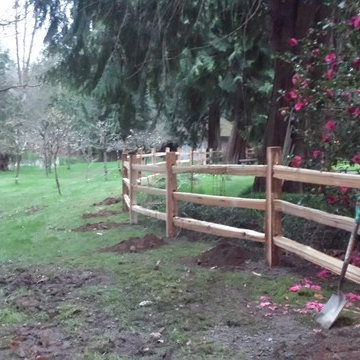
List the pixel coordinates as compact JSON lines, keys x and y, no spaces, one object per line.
{"x":349,"y":304}
{"x":317,"y":330}
{"x":265,"y":303}
{"x":352,"y":297}
{"x":264,"y":297}
{"x":316,"y":287}
{"x":295,"y":288}
{"x":272,"y":307}
{"x":357,"y":326}
{"x":323,"y":274}
{"x":314,"y":305}
{"x":301,"y":311}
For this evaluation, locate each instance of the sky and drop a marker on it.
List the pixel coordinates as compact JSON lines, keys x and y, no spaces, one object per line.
{"x":7,"y":33}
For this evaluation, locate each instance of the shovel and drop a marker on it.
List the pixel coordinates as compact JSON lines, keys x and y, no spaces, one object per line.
{"x":335,"y":304}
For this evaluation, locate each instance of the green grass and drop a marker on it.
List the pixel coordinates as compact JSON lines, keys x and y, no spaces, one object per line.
{"x":186,"y":301}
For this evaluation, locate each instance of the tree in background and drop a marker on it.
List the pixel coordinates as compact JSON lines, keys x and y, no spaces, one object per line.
{"x":189,"y":62}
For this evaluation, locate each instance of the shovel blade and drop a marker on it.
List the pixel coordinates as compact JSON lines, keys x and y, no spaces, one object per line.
{"x":331,"y":310}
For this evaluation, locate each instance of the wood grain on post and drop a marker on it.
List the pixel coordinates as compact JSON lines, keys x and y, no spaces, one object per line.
{"x":171,"y":206}
{"x":153,"y":155}
{"x":133,"y":176}
{"x":272,"y":216}
{"x":125,"y":175}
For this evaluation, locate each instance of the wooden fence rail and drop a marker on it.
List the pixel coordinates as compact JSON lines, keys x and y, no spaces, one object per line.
{"x":273,"y":205}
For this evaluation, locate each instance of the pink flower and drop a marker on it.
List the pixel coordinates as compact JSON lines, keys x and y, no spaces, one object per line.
{"x":316,"y":154}
{"x":293,"y":93}
{"x":314,"y":305}
{"x":355,"y":22}
{"x":299,"y":105}
{"x":295,"y":79}
{"x":325,"y":138}
{"x":296,"y":161}
{"x":356,"y":159}
{"x":330,"y":125}
{"x":316,"y":287}
{"x":323,"y":274}
{"x":329,"y":74}
{"x":332,"y":199}
{"x":352,"y":297}
{"x":355,"y":259}
{"x":356,"y":63}
{"x":287,"y":97}
{"x":315,"y":52}
{"x":265,"y":304}
{"x":293,"y":42}
{"x":330,"y":57}
{"x":344,"y":189}
{"x":295,"y":288}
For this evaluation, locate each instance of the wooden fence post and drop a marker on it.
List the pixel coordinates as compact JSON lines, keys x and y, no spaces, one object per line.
{"x":211,"y":154}
{"x":133,"y":176}
{"x":125,"y":174}
{"x":272,"y":217}
{"x":171,"y":205}
{"x":153,"y":153}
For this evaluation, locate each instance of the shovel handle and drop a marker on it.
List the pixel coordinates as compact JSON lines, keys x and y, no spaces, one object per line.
{"x":351,"y":244}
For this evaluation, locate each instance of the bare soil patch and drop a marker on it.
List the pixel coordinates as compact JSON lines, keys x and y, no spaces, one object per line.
{"x":137,"y":244}
{"x":99,"y":226}
{"x":224,"y":255}
{"x":101,"y":213}
{"x":55,"y":298}
{"x":109,"y":201}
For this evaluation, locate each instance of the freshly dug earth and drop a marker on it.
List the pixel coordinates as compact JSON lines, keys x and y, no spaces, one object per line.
{"x":109,"y":201}
{"x":137,"y":244}
{"x":101,"y":213}
{"x":99,"y":226}
{"x":224,"y":255}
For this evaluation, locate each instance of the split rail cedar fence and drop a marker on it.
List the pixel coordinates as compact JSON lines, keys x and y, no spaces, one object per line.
{"x":273,"y":206}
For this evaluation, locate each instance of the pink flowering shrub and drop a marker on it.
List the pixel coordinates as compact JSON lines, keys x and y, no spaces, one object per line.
{"x":324,"y":101}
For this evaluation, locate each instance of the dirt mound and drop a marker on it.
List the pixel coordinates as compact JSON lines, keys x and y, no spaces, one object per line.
{"x":98,"y":226}
{"x":109,"y":201}
{"x":224,"y":255}
{"x":137,"y":244}
{"x":101,"y":213}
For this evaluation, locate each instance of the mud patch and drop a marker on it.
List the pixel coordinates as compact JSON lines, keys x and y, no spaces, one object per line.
{"x":101,"y":213}
{"x":99,"y":226}
{"x":109,"y":201}
{"x":224,"y":255}
{"x":137,"y":244}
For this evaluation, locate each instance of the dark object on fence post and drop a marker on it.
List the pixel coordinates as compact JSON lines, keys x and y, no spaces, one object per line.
{"x":272,"y":216}
{"x":125,"y":175}
{"x":133,"y":177}
{"x":171,"y":185}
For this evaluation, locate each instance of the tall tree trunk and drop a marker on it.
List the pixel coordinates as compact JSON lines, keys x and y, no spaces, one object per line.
{"x":214,"y":126}
{"x":56,"y":177}
{"x":17,"y":170}
{"x":236,"y":147}
{"x":105,"y":159}
{"x":290,"y":19}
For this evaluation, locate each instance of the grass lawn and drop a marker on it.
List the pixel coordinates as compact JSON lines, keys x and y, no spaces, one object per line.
{"x":62,"y":298}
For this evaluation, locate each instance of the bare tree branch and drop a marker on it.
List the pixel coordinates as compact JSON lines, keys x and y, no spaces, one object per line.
{"x":18,"y":86}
